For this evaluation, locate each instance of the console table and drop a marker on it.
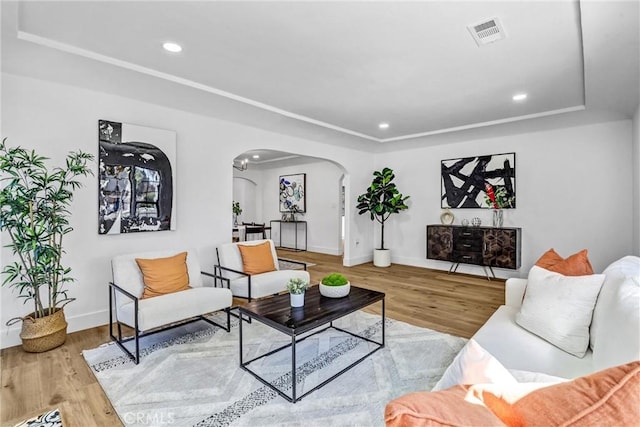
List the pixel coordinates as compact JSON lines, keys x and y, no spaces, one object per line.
{"x":299,"y":226}
{"x":484,"y":246}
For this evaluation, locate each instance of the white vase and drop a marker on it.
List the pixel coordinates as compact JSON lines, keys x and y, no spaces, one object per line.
{"x":297,"y":300}
{"x":498,"y":218}
{"x":382,"y":257}
{"x":335,"y":291}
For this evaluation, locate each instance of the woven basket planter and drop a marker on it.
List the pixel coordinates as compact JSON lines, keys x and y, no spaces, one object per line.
{"x":43,"y":334}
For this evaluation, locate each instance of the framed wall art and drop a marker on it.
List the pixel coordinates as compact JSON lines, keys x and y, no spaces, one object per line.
{"x":292,"y":192}
{"x":479,"y":182}
{"x":136,"y":178}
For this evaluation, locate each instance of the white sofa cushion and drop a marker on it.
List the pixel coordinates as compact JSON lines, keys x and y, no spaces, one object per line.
{"x":175,"y":307}
{"x":535,"y":377}
{"x":265,"y":284}
{"x":517,"y":348}
{"x":474,"y":365}
{"x":615,"y":330}
{"x":559,"y":308}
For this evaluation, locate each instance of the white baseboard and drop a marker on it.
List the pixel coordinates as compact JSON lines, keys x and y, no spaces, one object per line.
{"x":10,"y":337}
{"x":350,"y":262}
{"x":323,"y":250}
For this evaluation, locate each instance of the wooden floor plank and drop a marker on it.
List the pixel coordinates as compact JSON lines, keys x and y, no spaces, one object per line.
{"x":457,"y":304}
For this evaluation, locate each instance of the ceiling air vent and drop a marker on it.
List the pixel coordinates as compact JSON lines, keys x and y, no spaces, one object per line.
{"x":487,"y":31}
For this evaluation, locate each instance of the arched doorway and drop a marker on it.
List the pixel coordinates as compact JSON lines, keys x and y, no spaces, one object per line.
{"x":324,"y":196}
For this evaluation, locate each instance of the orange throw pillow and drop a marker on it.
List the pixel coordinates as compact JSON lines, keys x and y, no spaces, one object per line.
{"x":257,"y":259}
{"x":576,"y":265}
{"x":548,"y":259}
{"x":605,"y":398}
{"x":443,"y":408}
{"x":164,"y":275}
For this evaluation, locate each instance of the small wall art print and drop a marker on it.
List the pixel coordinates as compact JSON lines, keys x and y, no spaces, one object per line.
{"x":292,"y":193}
{"x":479,"y":182}
{"x":136,"y":178}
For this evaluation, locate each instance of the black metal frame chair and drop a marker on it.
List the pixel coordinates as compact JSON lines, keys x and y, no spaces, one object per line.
{"x":119,"y":340}
{"x":253,"y":228}
{"x":217,"y":269}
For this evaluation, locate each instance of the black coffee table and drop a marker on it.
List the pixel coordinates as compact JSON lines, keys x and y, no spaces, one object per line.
{"x":318,"y":311}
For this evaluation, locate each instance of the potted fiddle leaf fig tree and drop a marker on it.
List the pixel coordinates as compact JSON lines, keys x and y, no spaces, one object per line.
{"x":34,"y":213}
{"x":381,"y":200}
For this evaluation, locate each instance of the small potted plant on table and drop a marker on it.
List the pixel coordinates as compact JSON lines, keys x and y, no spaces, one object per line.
{"x":297,"y":287}
{"x":335,"y":285}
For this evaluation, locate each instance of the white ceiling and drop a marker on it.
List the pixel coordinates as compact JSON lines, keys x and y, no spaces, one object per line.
{"x":337,"y":69}
{"x":264,"y":157}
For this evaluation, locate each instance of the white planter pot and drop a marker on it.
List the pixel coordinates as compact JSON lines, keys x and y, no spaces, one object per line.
{"x":297,"y":300}
{"x":335,"y":291}
{"x":382,"y":257}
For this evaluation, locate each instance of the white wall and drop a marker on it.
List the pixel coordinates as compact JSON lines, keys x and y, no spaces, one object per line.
{"x":573,"y":188}
{"x":636,"y":181}
{"x":247,"y":194}
{"x":55,"y":119}
{"x":322,"y":214}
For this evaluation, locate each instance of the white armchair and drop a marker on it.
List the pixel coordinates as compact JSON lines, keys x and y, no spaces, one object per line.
{"x":243,"y":285}
{"x":151,"y":315}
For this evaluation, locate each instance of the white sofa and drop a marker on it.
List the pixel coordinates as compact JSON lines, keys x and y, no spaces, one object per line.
{"x":614,"y":331}
{"x":243,"y":285}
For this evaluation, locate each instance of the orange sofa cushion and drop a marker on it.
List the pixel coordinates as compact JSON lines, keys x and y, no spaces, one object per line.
{"x":575,"y":265}
{"x":257,"y":259}
{"x":605,"y":398}
{"x":443,"y":408}
{"x":164,"y":275}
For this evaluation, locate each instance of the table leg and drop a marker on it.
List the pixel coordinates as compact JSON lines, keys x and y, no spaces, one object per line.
{"x":383,"y":322}
{"x":293,"y":368}
{"x":240,"y":332}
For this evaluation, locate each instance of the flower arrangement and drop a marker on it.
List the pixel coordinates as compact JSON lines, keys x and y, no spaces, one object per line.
{"x":237,"y":210}
{"x":334,"y":279}
{"x":297,"y":286}
{"x":498,"y":198}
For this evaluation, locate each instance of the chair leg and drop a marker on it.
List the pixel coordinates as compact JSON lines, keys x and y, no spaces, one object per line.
{"x":137,"y":346}
{"x":228,"y":310}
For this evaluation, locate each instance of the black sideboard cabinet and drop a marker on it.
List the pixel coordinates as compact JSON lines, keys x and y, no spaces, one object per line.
{"x":484,"y":246}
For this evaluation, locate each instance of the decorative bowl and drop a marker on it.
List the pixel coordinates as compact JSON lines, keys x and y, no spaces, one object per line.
{"x":335,"y":291}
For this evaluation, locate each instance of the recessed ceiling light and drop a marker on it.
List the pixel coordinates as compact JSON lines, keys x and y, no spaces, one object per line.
{"x":172,"y":47}
{"x":383,"y":125}
{"x":256,"y":156}
{"x":519,"y":97}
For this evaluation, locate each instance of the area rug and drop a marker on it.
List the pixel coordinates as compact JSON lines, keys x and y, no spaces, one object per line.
{"x":48,"y":419}
{"x":190,"y":376}
{"x":286,"y":264}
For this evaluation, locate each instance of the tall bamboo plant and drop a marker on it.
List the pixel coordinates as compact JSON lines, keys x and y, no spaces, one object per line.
{"x":34,"y":212}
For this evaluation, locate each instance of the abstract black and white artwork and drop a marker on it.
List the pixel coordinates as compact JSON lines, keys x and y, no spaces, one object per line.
{"x":479,"y":182}
{"x":136,"y":178}
{"x":292,"y":192}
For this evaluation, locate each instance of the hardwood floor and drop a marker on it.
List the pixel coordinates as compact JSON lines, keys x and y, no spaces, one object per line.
{"x":457,"y":304}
